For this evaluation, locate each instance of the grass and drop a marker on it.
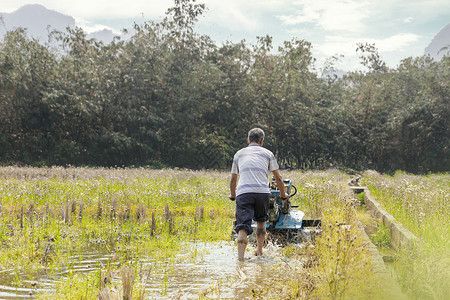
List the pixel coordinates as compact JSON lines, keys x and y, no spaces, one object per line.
{"x":382,"y":237}
{"x":421,"y":203}
{"x":336,"y":265}
{"x":50,"y":214}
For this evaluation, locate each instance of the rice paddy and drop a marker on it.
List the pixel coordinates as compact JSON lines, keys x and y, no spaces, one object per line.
{"x":92,"y":233}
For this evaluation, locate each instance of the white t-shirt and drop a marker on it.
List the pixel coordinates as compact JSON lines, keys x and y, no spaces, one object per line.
{"x":253,"y":165}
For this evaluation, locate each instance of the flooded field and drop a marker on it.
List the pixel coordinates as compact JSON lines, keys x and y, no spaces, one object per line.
{"x":201,"y":269}
{"x":24,"y":284}
{"x":165,"y":234}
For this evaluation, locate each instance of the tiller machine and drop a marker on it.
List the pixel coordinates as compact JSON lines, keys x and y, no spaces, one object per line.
{"x":286,"y":223}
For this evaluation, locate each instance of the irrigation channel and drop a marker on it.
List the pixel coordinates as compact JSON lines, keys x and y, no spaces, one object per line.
{"x":203,"y":268}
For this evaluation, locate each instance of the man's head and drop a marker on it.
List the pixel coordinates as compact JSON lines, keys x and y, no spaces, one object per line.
{"x":256,"y":135}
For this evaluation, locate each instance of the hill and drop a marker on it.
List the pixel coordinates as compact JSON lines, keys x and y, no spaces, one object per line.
{"x":436,"y":49}
{"x":39,"y":21}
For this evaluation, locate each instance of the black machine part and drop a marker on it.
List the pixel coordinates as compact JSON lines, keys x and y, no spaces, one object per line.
{"x":285,"y":203}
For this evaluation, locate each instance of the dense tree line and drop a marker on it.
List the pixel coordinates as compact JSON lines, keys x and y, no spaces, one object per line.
{"x":172,"y":97}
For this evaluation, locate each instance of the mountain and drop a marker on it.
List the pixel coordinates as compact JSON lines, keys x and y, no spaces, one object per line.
{"x":440,"y":41}
{"x":39,"y":21}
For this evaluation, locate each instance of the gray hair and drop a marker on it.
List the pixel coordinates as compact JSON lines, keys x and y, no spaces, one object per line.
{"x":256,"y":135}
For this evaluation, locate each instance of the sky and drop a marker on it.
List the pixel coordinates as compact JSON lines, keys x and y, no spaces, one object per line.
{"x":399,"y":28}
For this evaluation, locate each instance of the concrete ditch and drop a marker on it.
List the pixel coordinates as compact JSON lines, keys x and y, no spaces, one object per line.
{"x":388,"y":284}
{"x":400,"y":238}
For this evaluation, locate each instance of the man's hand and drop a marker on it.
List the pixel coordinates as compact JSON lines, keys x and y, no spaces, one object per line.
{"x":232,"y":198}
{"x":280,"y":184}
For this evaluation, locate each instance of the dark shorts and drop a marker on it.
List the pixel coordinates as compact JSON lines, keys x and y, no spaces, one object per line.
{"x":251,"y":206}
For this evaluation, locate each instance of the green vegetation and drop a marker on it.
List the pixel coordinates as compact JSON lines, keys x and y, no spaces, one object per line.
{"x":171,"y":97}
{"x":382,"y":237}
{"x":421,"y":203}
{"x":107,"y":212}
{"x":361,"y":196}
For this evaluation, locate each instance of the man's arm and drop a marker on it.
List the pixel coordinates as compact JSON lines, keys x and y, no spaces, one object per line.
{"x":233,"y":183}
{"x":280,"y":184}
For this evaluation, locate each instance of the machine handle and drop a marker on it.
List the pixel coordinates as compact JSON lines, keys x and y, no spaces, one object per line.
{"x":295,"y":191}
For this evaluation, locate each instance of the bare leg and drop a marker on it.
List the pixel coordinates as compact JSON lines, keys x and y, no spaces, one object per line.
{"x":260,"y":237}
{"x":242,"y":243}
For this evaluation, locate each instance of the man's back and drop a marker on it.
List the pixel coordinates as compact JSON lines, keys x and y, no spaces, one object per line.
{"x":253,"y":164}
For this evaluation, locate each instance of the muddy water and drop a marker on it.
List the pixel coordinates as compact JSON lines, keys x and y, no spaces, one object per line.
{"x":209,"y":269}
{"x":216,"y":272}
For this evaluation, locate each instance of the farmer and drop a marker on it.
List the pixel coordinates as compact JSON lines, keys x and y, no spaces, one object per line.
{"x":253,"y":164}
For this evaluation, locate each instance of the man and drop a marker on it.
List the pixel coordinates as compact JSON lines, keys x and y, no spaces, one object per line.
{"x":253,"y":164}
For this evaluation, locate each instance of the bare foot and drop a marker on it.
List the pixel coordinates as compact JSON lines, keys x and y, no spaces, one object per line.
{"x":258,"y":253}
